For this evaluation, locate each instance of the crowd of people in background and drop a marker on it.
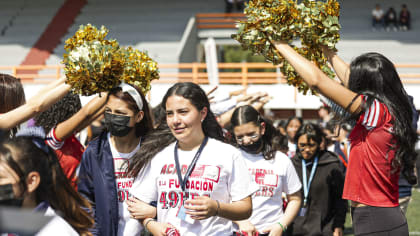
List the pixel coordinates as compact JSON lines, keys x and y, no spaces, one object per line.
{"x":293,"y":172}
{"x":204,"y":163}
{"x":390,"y":20}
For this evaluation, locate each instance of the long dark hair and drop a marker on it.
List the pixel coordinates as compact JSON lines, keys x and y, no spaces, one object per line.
{"x":313,"y":132}
{"x":27,"y":154}
{"x":245,"y":114}
{"x":12,"y":95}
{"x":162,"y":136}
{"x":59,"y":112}
{"x":290,"y":119}
{"x":146,"y":124}
{"x":374,"y":75}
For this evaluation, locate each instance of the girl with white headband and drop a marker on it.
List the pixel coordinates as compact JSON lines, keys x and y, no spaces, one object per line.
{"x":103,"y":179}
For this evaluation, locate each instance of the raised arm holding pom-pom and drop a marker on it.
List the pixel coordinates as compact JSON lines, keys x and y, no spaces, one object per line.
{"x":341,"y":68}
{"x":316,"y":79}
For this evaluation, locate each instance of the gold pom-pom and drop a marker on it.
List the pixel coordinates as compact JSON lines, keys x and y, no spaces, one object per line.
{"x":267,"y":20}
{"x":320,"y":23}
{"x":86,"y":33}
{"x":139,"y":69}
{"x":314,"y":22}
{"x":94,"y":64}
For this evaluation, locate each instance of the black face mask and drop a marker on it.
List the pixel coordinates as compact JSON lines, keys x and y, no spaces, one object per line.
{"x":117,"y":125}
{"x":8,"y":198}
{"x":252,"y":148}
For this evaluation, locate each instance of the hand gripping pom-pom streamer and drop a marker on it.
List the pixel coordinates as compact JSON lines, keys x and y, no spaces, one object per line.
{"x":94,"y":64}
{"x":314,"y":22}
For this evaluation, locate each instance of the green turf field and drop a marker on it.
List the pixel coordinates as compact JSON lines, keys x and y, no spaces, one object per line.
{"x":413,"y":216}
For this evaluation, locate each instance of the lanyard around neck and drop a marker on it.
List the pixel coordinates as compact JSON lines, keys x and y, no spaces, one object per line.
{"x":306,"y":183}
{"x":183,"y":182}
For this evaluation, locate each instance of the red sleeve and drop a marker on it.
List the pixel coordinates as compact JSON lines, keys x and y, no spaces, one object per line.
{"x":374,"y":116}
{"x":52,"y":140}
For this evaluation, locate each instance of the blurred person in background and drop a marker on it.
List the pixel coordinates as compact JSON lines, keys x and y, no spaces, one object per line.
{"x":391,"y":19}
{"x":377,"y":18}
{"x":159,"y":115}
{"x":405,"y":18}
{"x":323,"y":211}
{"x":324,"y":116}
{"x":280,"y":143}
{"x":341,"y":144}
{"x":280,"y":125}
{"x":328,"y":136}
{"x":95,"y":128}
{"x":292,"y":126}
{"x":231,"y":4}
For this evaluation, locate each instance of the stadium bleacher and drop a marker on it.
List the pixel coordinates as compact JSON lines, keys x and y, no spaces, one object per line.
{"x":157,"y":26}
{"x":29,"y":20}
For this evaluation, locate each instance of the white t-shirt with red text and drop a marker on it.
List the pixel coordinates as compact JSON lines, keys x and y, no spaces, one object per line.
{"x":219,"y":173}
{"x":126,"y":225}
{"x":274,"y":177}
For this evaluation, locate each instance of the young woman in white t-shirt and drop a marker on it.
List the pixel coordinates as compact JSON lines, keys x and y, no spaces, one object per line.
{"x":102,"y":177}
{"x":272,"y":171}
{"x":218,"y":188}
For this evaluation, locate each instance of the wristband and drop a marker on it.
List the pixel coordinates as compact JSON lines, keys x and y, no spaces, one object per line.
{"x":145,"y":225}
{"x":218,"y":207}
{"x":284,"y":228}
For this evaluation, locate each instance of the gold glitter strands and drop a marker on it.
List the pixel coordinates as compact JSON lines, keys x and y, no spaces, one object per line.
{"x":319,"y":23}
{"x":315,"y":23}
{"x":139,"y":69}
{"x":269,"y":19}
{"x":94,"y":64}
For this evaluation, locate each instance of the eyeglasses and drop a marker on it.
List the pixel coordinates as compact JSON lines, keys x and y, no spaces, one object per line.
{"x":253,"y":137}
{"x":305,"y":145}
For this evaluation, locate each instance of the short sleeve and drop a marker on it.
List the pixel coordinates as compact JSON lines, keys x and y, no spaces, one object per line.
{"x":52,"y":140}
{"x":144,"y":186}
{"x":240,"y":184}
{"x":374,"y":116}
{"x":291,"y":182}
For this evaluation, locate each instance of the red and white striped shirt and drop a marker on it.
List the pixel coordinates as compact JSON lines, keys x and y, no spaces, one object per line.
{"x":370,"y":177}
{"x":52,"y":140}
{"x":69,"y":153}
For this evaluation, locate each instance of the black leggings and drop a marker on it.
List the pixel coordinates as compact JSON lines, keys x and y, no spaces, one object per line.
{"x":379,"y":221}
